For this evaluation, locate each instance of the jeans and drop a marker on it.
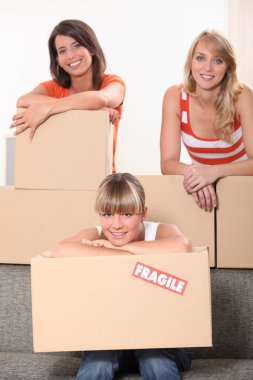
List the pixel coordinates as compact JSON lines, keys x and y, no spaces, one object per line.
{"x":153,"y":364}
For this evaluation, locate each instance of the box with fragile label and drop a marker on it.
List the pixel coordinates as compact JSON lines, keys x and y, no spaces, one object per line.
{"x":121,"y":302}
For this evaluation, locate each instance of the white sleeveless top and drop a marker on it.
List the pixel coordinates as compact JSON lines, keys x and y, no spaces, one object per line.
{"x":150,"y":230}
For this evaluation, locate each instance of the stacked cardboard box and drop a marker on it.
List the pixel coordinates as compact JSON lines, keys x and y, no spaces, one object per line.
{"x":234,"y":222}
{"x":56,"y":178}
{"x":168,"y":202}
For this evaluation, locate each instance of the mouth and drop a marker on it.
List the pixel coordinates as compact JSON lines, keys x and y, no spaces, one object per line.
{"x":74,"y":64}
{"x":206,"y":77}
{"x":118,"y":235}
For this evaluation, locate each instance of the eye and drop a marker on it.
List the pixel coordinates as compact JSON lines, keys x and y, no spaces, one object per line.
{"x":200,"y":58}
{"x":76,"y":45}
{"x":107,"y":215}
{"x":61,"y":51}
{"x":218,"y":61}
{"x":127,"y":215}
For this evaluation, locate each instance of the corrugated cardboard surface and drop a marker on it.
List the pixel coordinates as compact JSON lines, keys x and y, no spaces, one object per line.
{"x":32,"y":221}
{"x":168,"y":202}
{"x":94,"y":303}
{"x":235,"y":222}
{"x":69,"y":151}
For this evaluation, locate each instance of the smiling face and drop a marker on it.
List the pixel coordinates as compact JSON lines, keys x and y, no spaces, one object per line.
{"x":121,"y":229}
{"x":208,"y":69}
{"x":74,"y":58}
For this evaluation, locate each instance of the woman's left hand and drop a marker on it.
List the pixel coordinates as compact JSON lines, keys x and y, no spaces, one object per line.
{"x":205,"y":198}
{"x":34,"y":115}
{"x":102,"y":243}
{"x":197,"y":177}
{"x":113,"y":114}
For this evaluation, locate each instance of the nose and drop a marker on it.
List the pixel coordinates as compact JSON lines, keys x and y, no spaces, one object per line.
{"x":70,"y":53}
{"x":209,"y":65}
{"x":117,"y":221}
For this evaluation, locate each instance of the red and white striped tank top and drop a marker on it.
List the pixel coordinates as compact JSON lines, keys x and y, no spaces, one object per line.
{"x":210,"y":151}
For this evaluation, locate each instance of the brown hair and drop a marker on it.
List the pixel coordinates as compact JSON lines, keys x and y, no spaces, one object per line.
{"x":83,"y":34}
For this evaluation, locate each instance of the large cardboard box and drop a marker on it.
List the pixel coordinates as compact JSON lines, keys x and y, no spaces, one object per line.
{"x":69,"y":151}
{"x":234,"y":222}
{"x":121,"y":302}
{"x":32,"y":221}
{"x":168,"y":202}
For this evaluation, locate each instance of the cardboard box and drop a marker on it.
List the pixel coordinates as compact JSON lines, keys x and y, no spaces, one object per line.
{"x":69,"y":151}
{"x":32,"y":221}
{"x":121,"y":302}
{"x":234,"y":222}
{"x":168,"y":202}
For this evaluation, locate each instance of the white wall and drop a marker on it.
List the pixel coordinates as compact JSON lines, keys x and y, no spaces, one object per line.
{"x":241,"y":34}
{"x":145,"y":42}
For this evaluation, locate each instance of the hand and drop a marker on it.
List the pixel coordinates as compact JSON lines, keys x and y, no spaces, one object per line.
{"x":34,"y":115}
{"x":113,"y":114}
{"x":197,"y":177}
{"x":102,"y":243}
{"x":87,"y":242}
{"x":205,"y":198}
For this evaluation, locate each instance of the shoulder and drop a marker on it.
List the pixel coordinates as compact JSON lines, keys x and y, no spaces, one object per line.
{"x":171,"y":100}
{"x":173,"y":91}
{"x":245,"y":92}
{"x":87,"y":233}
{"x":110,"y":78}
{"x":54,"y":89}
{"x":172,"y":94}
{"x":167,"y":230}
{"x":49,"y":83}
{"x":245,"y":99}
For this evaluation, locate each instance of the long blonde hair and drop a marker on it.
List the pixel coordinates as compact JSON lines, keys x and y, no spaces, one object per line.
{"x":230,"y":86}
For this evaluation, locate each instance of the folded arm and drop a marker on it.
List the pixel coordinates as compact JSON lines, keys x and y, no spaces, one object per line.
{"x":84,"y":244}
{"x":39,"y":106}
{"x":88,"y":243}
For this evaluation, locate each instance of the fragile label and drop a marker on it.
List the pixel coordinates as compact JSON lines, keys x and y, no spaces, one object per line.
{"x":162,"y":279}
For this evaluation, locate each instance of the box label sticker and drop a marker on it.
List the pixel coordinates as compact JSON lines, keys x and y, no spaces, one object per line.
{"x":162,"y":279}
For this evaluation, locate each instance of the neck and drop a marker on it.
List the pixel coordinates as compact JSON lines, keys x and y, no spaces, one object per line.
{"x":206,"y":97}
{"x":141,"y":236}
{"x":81,"y":84}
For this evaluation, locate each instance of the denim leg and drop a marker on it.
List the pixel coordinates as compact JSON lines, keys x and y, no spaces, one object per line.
{"x":162,"y":364}
{"x":98,"y":365}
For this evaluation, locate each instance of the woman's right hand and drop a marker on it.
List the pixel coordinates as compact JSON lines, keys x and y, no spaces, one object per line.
{"x":33,"y":115}
{"x":205,"y":198}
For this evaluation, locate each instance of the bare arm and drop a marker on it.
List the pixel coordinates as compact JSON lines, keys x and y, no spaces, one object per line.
{"x":168,"y":239}
{"x":39,"y":106}
{"x":170,"y":138}
{"x":170,"y":146}
{"x":82,"y":245}
{"x":87,"y":243}
{"x":198,"y":176}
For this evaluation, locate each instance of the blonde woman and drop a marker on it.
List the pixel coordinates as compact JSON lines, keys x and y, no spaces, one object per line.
{"x":120,"y":204}
{"x":213,"y":113}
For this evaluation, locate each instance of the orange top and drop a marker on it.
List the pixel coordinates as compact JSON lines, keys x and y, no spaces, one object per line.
{"x":57,"y":91}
